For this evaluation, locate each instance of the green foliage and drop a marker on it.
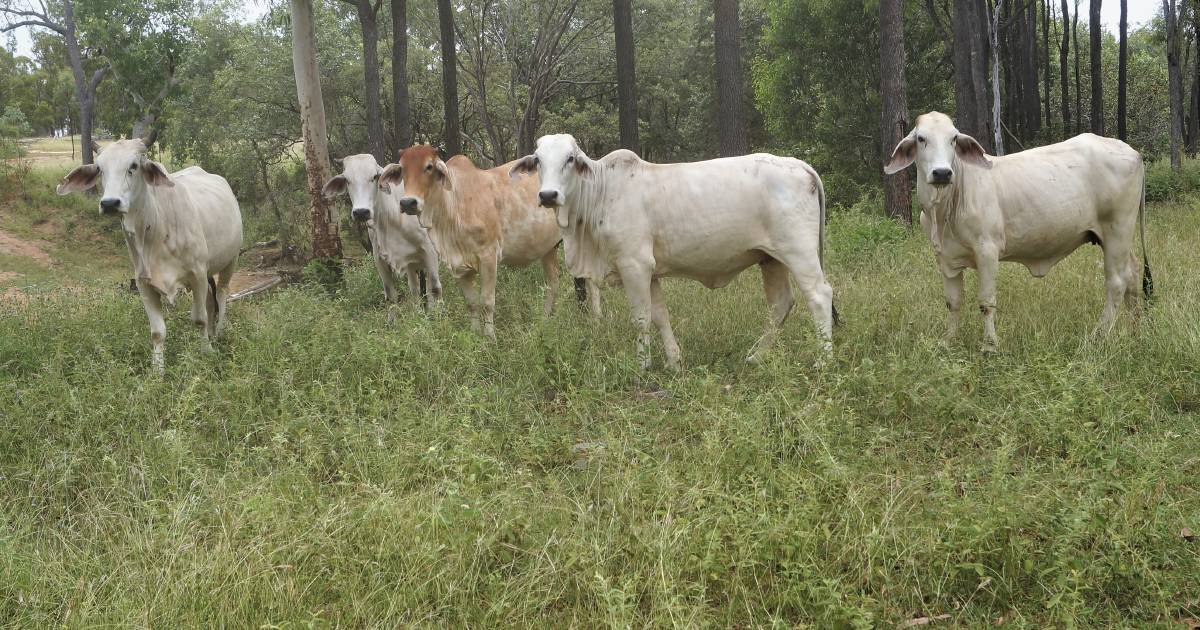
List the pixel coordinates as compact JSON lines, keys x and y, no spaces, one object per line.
{"x":324,"y":468}
{"x":817,"y":82}
{"x":325,"y":273}
{"x":1165,"y":184}
{"x":860,"y":231}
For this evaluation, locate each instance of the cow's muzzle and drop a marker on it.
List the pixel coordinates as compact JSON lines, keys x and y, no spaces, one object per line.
{"x":409,"y":205}
{"x":110,"y":207}
{"x":548,"y":198}
{"x":940,"y":176}
{"x":361,"y":214}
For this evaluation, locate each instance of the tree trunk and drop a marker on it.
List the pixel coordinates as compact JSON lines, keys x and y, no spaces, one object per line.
{"x":1194,"y":109}
{"x":85,"y":91}
{"x":1171,"y":15}
{"x":449,"y":77}
{"x":368,"y":22}
{"x":963,"y":25}
{"x":1030,"y":96}
{"x":727,"y":50}
{"x":896,"y":189}
{"x":1049,"y":116}
{"x":1122,"y":70}
{"x":326,"y":243}
{"x":1078,"y":83}
{"x":403,"y":110}
{"x":1065,"y":70}
{"x":626,"y":74}
{"x":996,"y":120}
{"x":1096,"y":77}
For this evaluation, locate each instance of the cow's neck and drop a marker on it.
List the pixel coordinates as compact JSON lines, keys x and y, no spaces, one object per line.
{"x":944,"y":203}
{"x":142,"y":225}
{"x":586,"y":204}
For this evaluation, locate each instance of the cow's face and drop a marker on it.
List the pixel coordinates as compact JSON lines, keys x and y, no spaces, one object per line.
{"x":423,"y":173}
{"x":125,"y":171}
{"x":938,"y":149}
{"x":361,"y":179}
{"x":559,"y":164}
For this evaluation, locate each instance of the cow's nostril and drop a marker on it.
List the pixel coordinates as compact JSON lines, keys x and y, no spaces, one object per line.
{"x":110,"y":205}
{"x":942,"y":174}
{"x":408,"y":205}
{"x":360,"y":213}
{"x":547,"y":197}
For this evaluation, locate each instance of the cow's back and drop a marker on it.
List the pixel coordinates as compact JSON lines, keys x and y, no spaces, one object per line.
{"x":1053,"y":196}
{"x":205,"y":200}
{"x":527,"y":230}
{"x":709,"y":220}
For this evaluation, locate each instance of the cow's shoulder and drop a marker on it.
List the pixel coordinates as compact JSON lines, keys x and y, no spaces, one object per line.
{"x":621,"y":159}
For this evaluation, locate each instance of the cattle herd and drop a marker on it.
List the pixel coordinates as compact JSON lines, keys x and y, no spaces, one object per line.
{"x":628,"y":222}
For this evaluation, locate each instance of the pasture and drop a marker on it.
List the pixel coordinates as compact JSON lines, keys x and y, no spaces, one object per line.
{"x":324,"y":469}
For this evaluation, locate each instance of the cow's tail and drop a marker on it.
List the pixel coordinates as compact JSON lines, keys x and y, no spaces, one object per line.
{"x":1147,"y":277}
{"x":424,"y":297}
{"x":837,"y":320}
{"x":212,"y":291}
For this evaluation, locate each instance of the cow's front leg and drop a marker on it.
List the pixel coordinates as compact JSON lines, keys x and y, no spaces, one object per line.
{"x":471,"y":295}
{"x":636,"y":280}
{"x":152,"y":302}
{"x":200,"y":310}
{"x":388,"y":279}
{"x":487,"y":286}
{"x":551,"y":271}
{"x":593,"y":289}
{"x":953,"y":287}
{"x":433,"y":283}
{"x":662,"y":321}
{"x":987,"y":261}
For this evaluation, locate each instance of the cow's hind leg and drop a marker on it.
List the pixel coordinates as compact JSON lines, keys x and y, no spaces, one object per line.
{"x":152,"y":302}
{"x":810,"y":278}
{"x":1116,"y":261}
{"x":201,"y":310}
{"x":662,"y":321}
{"x":780,"y":299}
{"x":224,"y":277}
{"x":550,"y":268}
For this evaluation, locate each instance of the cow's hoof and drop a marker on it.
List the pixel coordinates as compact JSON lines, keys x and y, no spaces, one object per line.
{"x":754,"y":358}
{"x":989,"y":349}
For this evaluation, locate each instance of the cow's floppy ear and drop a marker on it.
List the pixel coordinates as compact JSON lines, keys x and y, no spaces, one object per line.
{"x":969,"y":151}
{"x":582,"y":166}
{"x":903,"y":156}
{"x":392,"y":174}
{"x":155,"y":174}
{"x":384,"y":186}
{"x":79,"y":179}
{"x":334,"y":187}
{"x":527,"y":164}
{"x":439,"y":167}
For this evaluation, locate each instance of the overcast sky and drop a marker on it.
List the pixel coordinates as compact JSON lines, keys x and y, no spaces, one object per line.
{"x":1140,"y":12}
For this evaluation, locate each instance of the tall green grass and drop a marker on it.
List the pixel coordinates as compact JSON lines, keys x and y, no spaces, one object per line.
{"x":324,"y":469}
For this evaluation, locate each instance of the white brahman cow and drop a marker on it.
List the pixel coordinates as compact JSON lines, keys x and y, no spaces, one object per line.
{"x":183,"y":230}
{"x":632,"y":222}
{"x":1034,"y":207}
{"x":398,"y":242}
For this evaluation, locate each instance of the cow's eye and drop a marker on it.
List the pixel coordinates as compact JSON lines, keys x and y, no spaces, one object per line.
{"x":570,"y":159}
{"x":376,"y":178}
{"x":921,"y":139}
{"x":429,"y":167}
{"x":133,"y":167}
